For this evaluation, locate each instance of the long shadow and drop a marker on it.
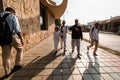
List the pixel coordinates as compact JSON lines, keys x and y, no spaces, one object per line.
{"x":92,"y":72}
{"x":34,"y":67}
{"x":64,"y":70}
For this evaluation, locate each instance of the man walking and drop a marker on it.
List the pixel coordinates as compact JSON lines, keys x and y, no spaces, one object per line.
{"x":94,"y":35}
{"x":76,"y":36}
{"x":17,"y":43}
{"x":63,"y":35}
{"x":56,"y":36}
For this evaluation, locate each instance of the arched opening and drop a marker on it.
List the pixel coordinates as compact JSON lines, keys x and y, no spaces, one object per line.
{"x":43,"y":17}
{"x":1,"y":6}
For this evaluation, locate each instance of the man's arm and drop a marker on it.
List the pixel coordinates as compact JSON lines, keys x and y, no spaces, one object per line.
{"x":81,"y":34}
{"x":20,"y":36}
{"x":17,"y":28}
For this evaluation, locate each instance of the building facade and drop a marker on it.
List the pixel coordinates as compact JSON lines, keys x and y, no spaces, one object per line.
{"x":36,"y":17}
{"x":109,"y":25}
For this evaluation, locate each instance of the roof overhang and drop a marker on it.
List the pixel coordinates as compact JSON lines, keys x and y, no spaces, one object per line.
{"x":56,"y":10}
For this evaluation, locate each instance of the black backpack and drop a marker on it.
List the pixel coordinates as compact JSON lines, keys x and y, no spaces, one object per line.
{"x":5,"y":33}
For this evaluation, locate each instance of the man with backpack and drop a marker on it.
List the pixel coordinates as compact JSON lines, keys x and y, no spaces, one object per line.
{"x":94,"y":36}
{"x":14,"y":30}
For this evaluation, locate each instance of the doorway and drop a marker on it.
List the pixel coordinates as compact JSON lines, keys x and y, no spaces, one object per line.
{"x":1,"y":6}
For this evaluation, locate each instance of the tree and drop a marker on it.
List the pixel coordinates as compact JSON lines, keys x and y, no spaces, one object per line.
{"x":58,"y":22}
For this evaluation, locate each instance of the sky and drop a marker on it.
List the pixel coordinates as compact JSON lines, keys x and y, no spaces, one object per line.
{"x":90,"y":10}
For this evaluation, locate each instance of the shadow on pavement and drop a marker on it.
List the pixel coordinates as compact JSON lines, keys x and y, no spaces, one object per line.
{"x":92,"y":70}
{"x":34,"y":67}
{"x":64,"y":70}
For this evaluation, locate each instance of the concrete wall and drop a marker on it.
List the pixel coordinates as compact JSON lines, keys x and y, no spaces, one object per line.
{"x":28,"y":12}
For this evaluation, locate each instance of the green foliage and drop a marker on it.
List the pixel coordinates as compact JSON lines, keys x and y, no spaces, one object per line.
{"x":57,"y":22}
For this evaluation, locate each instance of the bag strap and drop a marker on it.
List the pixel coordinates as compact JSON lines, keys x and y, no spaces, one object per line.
{"x":5,"y":16}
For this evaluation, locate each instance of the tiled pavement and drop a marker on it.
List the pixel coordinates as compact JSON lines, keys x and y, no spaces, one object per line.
{"x":42,"y":64}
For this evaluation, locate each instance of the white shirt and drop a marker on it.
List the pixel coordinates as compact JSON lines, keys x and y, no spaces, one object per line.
{"x":56,"y":35}
{"x":64,"y":33}
{"x":95,"y":34}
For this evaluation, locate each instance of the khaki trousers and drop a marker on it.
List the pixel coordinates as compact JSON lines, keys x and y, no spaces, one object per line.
{"x":6,"y":53}
{"x":94,"y":42}
{"x":56,"y":41}
{"x":76,"y":42}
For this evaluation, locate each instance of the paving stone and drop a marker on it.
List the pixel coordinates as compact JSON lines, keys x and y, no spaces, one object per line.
{"x":57,"y":72}
{"x":91,"y":70}
{"x":80,"y":65}
{"x":66,"y":71}
{"x":83,"y":70}
{"x":101,"y":64}
{"x":57,"y":77}
{"x":50,"y":77}
{"x":77,"y":77}
{"x":115,"y":76}
{"x":87,"y":77}
{"x":108,"y":63}
{"x":48,"y":72}
{"x":57,"y":65}
{"x":115,"y":69}
{"x":100,"y":70}
{"x":22,"y":78}
{"x":75,"y":71}
{"x":67,"y":77}
{"x":108,"y":69}
{"x":107,"y":77}
{"x":36,"y":78}
{"x":97,"y":76}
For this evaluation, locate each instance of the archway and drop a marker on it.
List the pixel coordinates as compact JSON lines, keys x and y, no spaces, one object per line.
{"x":1,"y":6}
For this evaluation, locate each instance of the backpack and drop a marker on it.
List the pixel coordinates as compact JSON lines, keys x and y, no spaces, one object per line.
{"x":5,"y":33}
{"x":92,"y":30}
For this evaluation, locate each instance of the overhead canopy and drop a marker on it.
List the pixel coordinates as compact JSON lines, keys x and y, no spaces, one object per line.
{"x":56,"y":10}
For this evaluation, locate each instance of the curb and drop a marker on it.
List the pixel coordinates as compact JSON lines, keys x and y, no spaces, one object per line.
{"x":105,"y":48}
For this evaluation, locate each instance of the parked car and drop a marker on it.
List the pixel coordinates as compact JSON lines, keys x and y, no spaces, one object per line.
{"x":86,"y":28}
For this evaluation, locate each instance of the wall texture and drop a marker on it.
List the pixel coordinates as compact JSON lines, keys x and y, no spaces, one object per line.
{"x":28,"y":12}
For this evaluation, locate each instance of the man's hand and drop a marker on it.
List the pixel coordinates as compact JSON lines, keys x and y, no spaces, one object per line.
{"x":76,"y":29}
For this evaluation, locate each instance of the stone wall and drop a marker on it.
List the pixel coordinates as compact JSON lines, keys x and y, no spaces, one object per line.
{"x":28,"y":12}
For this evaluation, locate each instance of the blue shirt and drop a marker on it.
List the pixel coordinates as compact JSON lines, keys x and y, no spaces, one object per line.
{"x":13,"y":23}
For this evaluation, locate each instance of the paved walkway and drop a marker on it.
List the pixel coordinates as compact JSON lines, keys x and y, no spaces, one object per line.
{"x":42,"y":64}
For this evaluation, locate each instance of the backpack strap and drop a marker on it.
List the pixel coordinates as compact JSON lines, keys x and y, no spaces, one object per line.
{"x":3,"y":19}
{"x":92,"y":29}
{"x":61,"y":29}
{"x":5,"y":16}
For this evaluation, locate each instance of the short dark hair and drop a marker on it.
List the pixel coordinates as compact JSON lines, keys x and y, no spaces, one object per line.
{"x":9,"y":9}
{"x":96,"y":23}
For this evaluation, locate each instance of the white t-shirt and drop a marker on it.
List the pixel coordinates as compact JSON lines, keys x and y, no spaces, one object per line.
{"x":64,"y":33}
{"x":56,"y":35}
{"x":95,"y":34}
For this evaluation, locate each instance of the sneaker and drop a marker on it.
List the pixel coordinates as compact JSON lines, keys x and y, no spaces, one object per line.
{"x":65,"y":50}
{"x":94,"y":54}
{"x":16,"y":68}
{"x":4,"y":77}
{"x":56,"y":51}
{"x":78,"y":56}
{"x":72,"y":51}
{"x":87,"y":48}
